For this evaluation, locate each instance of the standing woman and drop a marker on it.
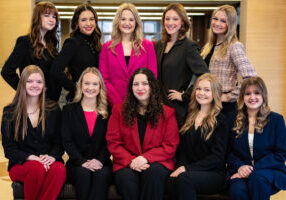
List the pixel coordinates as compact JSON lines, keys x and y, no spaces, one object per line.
{"x":203,"y":143}
{"x":178,"y":60}
{"x":31,"y":138}
{"x":126,"y":52}
{"x":79,"y":51}
{"x":83,"y":131}
{"x":39,"y":48}
{"x":225,"y":56}
{"x":256,"y":163}
{"x":142,"y":137}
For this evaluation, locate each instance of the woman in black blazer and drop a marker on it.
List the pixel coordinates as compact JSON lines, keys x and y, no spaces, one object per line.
{"x":31,"y":138}
{"x":79,"y":51}
{"x":38,"y":47}
{"x":178,"y":59}
{"x":83,"y":130}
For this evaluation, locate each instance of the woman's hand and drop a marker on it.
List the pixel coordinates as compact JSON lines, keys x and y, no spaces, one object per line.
{"x":92,"y":165}
{"x":245,"y":170}
{"x":178,"y":171}
{"x":175,"y":95}
{"x":138,"y":162}
{"x":33,"y":157}
{"x":47,"y":160}
{"x":236,"y":175}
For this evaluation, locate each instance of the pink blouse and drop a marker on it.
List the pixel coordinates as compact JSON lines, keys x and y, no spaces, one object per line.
{"x":90,"y":119}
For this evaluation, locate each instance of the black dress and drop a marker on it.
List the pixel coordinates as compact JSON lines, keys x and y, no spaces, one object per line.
{"x":77,"y":54}
{"x":22,"y":56}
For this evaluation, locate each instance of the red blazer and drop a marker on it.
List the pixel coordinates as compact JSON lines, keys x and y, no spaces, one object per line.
{"x":159,"y":145}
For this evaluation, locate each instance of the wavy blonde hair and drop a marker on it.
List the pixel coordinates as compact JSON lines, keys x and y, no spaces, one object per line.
{"x":137,"y":35}
{"x":264,"y":111}
{"x":180,"y":10}
{"x":101,"y":99}
{"x":230,"y":36}
{"x":209,"y":122}
{"x":51,"y":39}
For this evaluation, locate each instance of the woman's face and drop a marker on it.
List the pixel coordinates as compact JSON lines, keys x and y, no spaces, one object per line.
{"x":204,"y":94}
{"x":172,"y":22}
{"x":90,"y":85}
{"x":141,"y":88}
{"x":49,"y":21}
{"x":219,"y":23}
{"x":253,"y":98}
{"x":86,"y":22}
{"x":127,"y":22}
{"x":34,"y":85}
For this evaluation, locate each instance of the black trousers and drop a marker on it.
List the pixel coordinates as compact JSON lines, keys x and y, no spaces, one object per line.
{"x":190,"y":183}
{"x":90,"y":185}
{"x":146,"y":185}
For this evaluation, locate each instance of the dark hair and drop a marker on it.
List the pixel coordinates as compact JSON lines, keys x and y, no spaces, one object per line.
{"x":155,"y":106}
{"x":74,"y":24}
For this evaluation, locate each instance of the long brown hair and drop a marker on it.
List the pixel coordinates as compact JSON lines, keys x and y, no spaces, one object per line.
{"x":19,"y":103}
{"x":180,"y":10}
{"x":209,"y":122}
{"x":137,"y":35}
{"x":264,"y":111}
{"x":51,"y":39}
{"x":75,"y":28}
{"x":101,"y":99}
{"x":230,"y":35}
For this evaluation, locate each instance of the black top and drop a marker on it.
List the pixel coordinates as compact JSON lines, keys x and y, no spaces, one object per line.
{"x":22,"y":56}
{"x":35,"y":142}
{"x":127,"y":58}
{"x":176,"y":71}
{"x":142,"y":125}
{"x":209,"y":56}
{"x":78,"y":143}
{"x":77,"y":54}
{"x":198,"y":154}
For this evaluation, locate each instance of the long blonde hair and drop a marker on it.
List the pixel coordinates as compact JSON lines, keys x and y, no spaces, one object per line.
{"x":264,"y":111}
{"x":230,"y":36}
{"x":137,"y":35}
{"x":101,"y":99}
{"x":209,"y":122}
{"x":19,"y":103}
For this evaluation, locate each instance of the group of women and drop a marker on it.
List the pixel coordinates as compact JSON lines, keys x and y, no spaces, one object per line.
{"x":164,"y":130}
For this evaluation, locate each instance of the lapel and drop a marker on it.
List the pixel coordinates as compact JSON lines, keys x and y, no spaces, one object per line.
{"x":81,"y":118}
{"x":120,"y":57}
{"x":131,"y":62}
{"x":245,"y":142}
{"x":159,"y":63}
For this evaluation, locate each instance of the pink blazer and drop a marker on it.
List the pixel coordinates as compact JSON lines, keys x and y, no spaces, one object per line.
{"x":115,"y":72}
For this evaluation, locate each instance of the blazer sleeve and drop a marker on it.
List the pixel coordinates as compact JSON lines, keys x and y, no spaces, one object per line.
{"x":275,"y":160}
{"x":152,"y":61}
{"x":61,"y":62}
{"x":115,"y":142}
{"x":218,"y":151}
{"x":167,"y":149}
{"x":112,"y":94}
{"x":68,"y":143}
{"x":14,"y":61}
{"x":11,"y":149}
{"x":181,"y":157}
{"x":196,"y":64}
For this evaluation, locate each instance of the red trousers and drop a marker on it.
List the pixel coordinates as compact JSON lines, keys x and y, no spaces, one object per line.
{"x":39,"y":184}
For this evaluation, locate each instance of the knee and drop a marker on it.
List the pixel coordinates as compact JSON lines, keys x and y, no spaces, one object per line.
{"x":183,"y":181}
{"x":36,"y":168}
{"x":58,"y":170}
{"x":156,"y":169}
{"x":238,"y":189}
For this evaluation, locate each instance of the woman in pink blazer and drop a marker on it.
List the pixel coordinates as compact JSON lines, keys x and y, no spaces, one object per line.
{"x":126,"y":52}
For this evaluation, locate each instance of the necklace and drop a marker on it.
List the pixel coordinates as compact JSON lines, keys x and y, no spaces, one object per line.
{"x":33,"y":112}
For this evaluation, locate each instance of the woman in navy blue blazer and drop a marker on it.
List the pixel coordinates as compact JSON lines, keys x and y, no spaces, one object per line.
{"x":256,"y":162}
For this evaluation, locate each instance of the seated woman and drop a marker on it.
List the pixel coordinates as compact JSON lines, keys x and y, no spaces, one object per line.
{"x":31,"y":138}
{"x":83,"y":130}
{"x":142,"y":137}
{"x":203,"y":142}
{"x":256,"y":163}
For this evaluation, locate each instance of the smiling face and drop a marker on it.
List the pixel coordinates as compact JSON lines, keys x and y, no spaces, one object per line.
{"x":90,"y":85}
{"x":204,"y":94}
{"x":219,"y":23}
{"x":127,"y":22}
{"x":141,"y":88}
{"x":86,"y":22}
{"x":48,"y":21}
{"x":34,"y":85}
{"x":253,"y":98}
{"x":172,"y":22}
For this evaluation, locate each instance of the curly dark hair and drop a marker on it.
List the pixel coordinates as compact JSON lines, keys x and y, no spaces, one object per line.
{"x":155,"y":106}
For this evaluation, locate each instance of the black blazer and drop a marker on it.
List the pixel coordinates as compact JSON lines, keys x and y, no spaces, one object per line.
{"x":176,"y":70}
{"x":76,"y":55}
{"x":35,"y":142}
{"x":77,"y":141}
{"x":22,"y":56}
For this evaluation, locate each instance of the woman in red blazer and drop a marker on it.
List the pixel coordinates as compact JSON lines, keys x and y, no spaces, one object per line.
{"x":126,"y":52}
{"x":142,"y":137}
